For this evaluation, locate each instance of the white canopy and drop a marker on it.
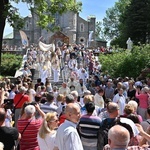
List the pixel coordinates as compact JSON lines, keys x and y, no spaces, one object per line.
{"x":46,"y":47}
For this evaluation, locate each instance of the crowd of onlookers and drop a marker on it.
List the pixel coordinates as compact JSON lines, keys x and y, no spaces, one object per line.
{"x":89,"y":111}
{"x":6,"y":47}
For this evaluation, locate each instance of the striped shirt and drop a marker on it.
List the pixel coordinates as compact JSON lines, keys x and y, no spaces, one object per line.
{"x":88,"y":129}
{"x":49,"y":107}
{"x":29,"y":137}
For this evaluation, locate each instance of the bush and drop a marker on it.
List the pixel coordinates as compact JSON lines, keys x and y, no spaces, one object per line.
{"x":10,"y":63}
{"x":126,"y":63}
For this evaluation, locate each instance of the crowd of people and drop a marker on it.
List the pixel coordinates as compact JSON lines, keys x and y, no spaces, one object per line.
{"x":89,"y":111}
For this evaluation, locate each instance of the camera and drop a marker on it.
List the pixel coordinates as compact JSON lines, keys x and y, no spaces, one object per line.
{"x":32,"y":103}
{"x":9,"y":103}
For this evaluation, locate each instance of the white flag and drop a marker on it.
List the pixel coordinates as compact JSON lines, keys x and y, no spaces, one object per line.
{"x":91,"y":36}
{"x":24,"y":38}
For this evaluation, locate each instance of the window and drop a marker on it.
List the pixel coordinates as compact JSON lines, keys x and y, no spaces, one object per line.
{"x":27,"y":25}
{"x":81,"y":27}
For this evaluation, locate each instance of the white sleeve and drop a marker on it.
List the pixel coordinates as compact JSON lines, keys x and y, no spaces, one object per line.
{"x":72,"y":142}
{"x":115,"y":100}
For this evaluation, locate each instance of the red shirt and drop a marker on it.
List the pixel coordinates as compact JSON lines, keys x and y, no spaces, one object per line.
{"x":29,"y":137}
{"x":22,"y":101}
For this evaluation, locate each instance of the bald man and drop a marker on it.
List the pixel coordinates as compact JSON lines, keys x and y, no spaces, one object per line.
{"x":118,"y":137}
{"x":67,"y":137}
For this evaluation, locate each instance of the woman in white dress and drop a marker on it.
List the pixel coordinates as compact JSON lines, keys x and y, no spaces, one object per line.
{"x":47,"y":133}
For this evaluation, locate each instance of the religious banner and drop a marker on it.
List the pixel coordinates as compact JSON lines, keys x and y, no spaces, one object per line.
{"x":24,"y":38}
{"x":46,"y":47}
{"x":90,"y":38}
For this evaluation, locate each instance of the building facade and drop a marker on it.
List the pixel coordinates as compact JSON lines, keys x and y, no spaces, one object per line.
{"x":71,"y":25}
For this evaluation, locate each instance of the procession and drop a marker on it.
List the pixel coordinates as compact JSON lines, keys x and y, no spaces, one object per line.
{"x":69,"y":81}
{"x":71,"y":103}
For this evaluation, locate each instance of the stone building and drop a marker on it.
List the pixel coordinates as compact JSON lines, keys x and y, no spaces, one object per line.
{"x":73,"y":28}
{"x":71,"y":25}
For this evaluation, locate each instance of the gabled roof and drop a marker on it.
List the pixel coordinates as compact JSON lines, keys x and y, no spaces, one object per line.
{"x":60,"y":33}
{"x":9,"y":36}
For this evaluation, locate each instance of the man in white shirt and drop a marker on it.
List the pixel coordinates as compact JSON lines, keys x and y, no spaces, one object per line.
{"x":120,"y":100}
{"x":98,"y":98}
{"x":80,"y":88}
{"x":27,"y":72}
{"x":72,"y":63}
{"x":67,"y":137}
{"x":12,"y":92}
{"x":72,"y":84}
{"x":64,"y":89}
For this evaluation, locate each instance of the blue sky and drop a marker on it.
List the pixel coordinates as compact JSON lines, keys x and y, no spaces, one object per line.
{"x":89,"y":7}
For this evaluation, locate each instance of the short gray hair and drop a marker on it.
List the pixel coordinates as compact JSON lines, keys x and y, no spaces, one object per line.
{"x":74,"y":93}
{"x":22,"y":89}
{"x":29,"y":110}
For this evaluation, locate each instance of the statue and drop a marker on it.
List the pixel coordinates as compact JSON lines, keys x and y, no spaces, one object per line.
{"x":129,"y":43}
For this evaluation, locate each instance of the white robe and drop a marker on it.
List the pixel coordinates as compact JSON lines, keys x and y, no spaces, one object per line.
{"x":65,"y":73}
{"x":44,"y":75}
{"x":49,"y":68}
{"x":55,"y":68}
{"x":121,"y":101}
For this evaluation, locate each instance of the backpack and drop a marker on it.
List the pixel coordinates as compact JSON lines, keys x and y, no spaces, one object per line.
{"x":103,"y":132}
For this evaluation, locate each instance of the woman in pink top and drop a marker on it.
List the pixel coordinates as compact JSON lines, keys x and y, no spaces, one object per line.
{"x":143,"y":101}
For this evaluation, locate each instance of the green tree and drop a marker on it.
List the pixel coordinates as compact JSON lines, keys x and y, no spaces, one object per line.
{"x":113,"y":26}
{"x":110,"y":23}
{"x":98,"y":28}
{"x":126,"y":63}
{"x":99,"y":31}
{"x":137,"y":21}
{"x":45,"y":9}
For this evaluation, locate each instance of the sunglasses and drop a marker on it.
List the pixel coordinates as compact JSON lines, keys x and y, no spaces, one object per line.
{"x":54,"y":120}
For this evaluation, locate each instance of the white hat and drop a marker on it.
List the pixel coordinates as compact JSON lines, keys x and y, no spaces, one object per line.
{"x":131,"y":124}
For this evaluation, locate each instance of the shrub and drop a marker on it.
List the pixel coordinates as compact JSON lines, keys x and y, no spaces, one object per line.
{"x":126,"y":63}
{"x":10,"y":63}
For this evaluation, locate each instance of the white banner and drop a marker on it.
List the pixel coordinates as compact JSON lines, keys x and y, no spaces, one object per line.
{"x":46,"y":47}
{"x":24,"y":38}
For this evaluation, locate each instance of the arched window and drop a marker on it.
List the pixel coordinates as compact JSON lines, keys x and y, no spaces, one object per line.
{"x":81,"y":27}
{"x":27,"y":25}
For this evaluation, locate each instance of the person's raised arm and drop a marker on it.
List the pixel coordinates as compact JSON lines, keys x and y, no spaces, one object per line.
{"x":39,"y":110}
{"x":143,"y":133}
{"x":2,"y":95}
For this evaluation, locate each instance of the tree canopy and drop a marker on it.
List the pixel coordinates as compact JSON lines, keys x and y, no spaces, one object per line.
{"x":128,"y":18}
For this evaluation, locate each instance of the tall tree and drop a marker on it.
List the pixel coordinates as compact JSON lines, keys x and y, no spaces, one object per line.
{"x":113,"y":25}
{"x":45,"y":9}
{"x":98,"y":28}
{"x":111,"y":22}
{"x":137,"y":21}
